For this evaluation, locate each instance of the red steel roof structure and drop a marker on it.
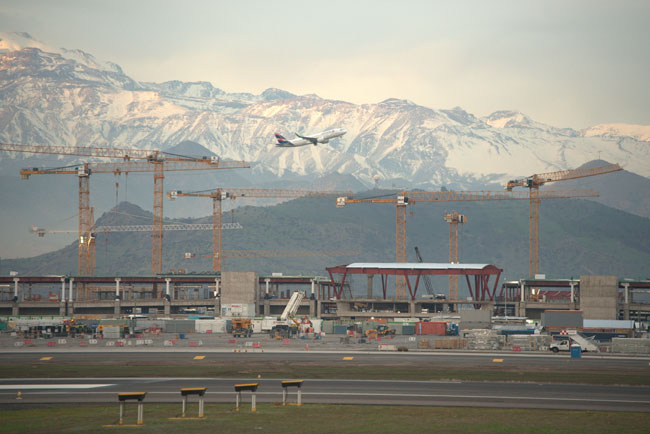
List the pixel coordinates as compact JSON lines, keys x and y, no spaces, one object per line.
{"x":481,"y":273}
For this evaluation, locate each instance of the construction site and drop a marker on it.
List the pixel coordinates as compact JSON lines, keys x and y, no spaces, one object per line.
{"x":351,"y":299}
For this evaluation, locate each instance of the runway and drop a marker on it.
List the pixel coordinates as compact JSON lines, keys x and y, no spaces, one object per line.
{"x":381,"y":392}
{"x":449,"y":359}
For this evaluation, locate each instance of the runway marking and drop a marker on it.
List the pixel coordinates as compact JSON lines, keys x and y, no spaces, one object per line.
{"x":199,"y":357}
{"x":51,"y":386}
{"x":46,"y":358}
{"x":497,"y":360}
{"x":348,"y":358}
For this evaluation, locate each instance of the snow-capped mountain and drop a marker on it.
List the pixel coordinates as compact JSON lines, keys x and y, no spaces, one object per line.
{"x":59,"y":96}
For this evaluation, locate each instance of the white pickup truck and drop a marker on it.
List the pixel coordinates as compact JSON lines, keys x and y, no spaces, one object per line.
{"x":557,"y":346}
{"x":587,"y":344}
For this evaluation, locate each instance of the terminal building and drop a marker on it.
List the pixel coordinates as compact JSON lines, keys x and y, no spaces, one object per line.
{"x":249,"y":294}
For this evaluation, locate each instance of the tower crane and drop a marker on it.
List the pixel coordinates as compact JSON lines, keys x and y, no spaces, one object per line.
{"x":453,"y":218}
{"x":405,"y":198}
{"x":158,"y":164}
{"x":86,"y":151}
{"x":533,"y":183}
{"x":220,"y":194}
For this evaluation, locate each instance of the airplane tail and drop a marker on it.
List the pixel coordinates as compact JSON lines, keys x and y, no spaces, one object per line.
{"x":281,"y":140}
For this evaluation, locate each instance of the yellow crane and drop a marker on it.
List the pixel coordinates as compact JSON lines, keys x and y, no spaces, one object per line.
{"x":220,"y":194}
{"x":454,"y":219}
{"x":154,"y":161}
{"x":404,"y":198}
{"x":533,"y":183}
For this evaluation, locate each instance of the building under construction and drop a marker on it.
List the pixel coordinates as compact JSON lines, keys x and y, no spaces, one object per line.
{"x":350,"y":291}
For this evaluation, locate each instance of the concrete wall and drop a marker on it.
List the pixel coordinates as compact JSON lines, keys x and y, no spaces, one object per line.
{"x":475,"y":319}
{"x":598,"y":296}
{"x":239,"y":287}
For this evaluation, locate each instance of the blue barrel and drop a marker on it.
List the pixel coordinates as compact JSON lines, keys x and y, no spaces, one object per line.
{"x":576,"y":351}
{"x":182,"y":336}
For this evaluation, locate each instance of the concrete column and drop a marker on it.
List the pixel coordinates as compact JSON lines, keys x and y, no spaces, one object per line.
{"x":117,"y":288}
{"x":16,"y":280}
{"x":167,"y":307}
{"x":573,"y":293}
{"x":167,"y":281}
{"x":312,"y":308}
{"x":70,"y":290}
{"x":267,"y":307}
{"x":626,"y":287}
{"x":217,"y":288}
{"x":522,"y":287}
{"x":62,"y":298}
{"x":117,"y":309}
{"x":312,"y":288}
{"x":267,"y":285}
{"x":412,"y":307}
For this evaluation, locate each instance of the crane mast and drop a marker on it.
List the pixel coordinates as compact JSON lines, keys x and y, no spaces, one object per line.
{"x":453,"y":218}
{"x":533,"y":183}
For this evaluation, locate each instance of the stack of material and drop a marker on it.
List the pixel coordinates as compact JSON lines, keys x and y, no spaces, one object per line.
{"x":529,"y":342}
{"x":424,"y":344}
{"x":484,"y":340}
{"x":631,"y":346}
{"x":450,"y":344}
{"x":213,"y":325}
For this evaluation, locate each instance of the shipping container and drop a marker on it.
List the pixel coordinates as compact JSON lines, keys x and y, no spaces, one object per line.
{"x":438,"y":328}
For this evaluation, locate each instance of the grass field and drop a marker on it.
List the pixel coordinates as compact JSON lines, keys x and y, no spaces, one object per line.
{"x":313,"y":370}
{"x":222,"y":418}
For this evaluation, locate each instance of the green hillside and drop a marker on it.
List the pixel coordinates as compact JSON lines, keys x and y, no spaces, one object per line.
{"x":576,"y":237}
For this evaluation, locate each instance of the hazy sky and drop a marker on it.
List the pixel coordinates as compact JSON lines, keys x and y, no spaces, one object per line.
{"x":566,"y":63}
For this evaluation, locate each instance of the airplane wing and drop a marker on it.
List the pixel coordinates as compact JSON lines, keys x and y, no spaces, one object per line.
{"x":313,"y":140}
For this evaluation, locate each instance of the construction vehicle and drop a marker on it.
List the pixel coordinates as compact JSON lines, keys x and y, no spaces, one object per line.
{"x":381,"y":330}
{"x":241,"y":327}
{"x":287,"y":326}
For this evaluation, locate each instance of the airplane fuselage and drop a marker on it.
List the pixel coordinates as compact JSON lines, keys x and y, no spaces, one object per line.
{"x":312,"y":139}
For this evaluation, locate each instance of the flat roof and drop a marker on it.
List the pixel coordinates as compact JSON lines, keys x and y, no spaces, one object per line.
{"x":417,"y":266}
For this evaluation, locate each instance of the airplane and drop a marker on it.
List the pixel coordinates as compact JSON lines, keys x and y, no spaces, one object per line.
{"x":322,"y":137}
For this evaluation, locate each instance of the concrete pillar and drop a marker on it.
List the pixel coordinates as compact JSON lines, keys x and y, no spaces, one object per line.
{"x":70,"y":290}
{"x":312,"y":308}
{"x":167,"y":306}
{"x":370,"y":280}
{"x":15,"y":310}
{"x":62,"y":298}
{"x":267,"y":285}
{"x":626,"y":287}
{"x":16,"y":280}
{"x":117,"y":288}
{"x":412,"y":307}
{"x":217,"y":288}
{"x":312,"y":288}
{"x":117,"y":309}
{"x":522,"y":287}
{"x":167,"y":281}
{"x":267,"y":307}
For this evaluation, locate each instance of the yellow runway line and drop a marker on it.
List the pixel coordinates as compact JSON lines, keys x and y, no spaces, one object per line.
{"x":348,"y":358}
{"x":46,"y":358}
{"x":199,"y":357}
{"x":497,"y":360}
